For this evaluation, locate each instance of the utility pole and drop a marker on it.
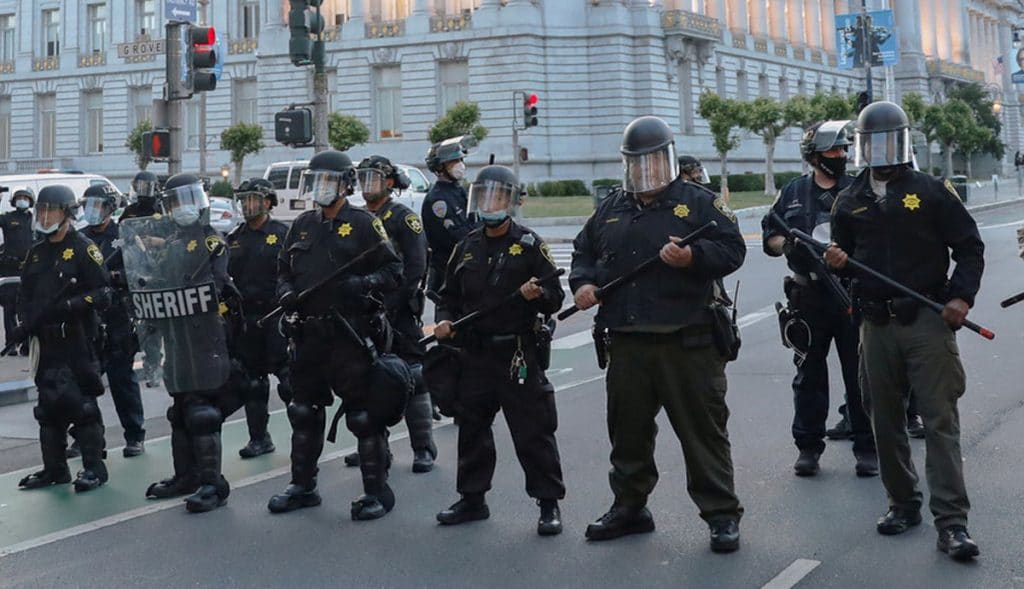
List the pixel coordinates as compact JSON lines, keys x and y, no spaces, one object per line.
{"x":515,"y":131}
{"x":304,"y":51}
{"x":202,"y":103}
{"x":866,"y":55}
{"x":174,"y":47}
{"x":320,"y":127}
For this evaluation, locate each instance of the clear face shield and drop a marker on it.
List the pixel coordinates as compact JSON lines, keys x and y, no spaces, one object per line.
{"x":95,"y":210}
{"x":493,"y":202}
{"x":373,"y":183}
{"x":698,"y":175}
{"x":185,"y":204}
{"x":323,"y":186}
{"x":144,"y":188}
{"x":877,"y":150}
{"x":48,"y":218}
{"x":254,"y":204}
{"x":650,"y":171}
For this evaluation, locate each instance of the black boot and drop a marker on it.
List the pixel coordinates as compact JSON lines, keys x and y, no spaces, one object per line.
{"x":185,"y":480}
{"x":956,"y":542}
{"x":620,"y":521}
{"x":867,"y":464}
{"x":468,"y":509}
{"x":915,"y":427}
{"x":419,"y":419}
{"x":807,"y":464}
{"x":52,"y":443}
{"x":840,"y":431}
{"x":258,"y":447}
{"x":378,"y":499}
{"x":352,"y":459}
{"x":725,"y":535}
{"x":214,"y":489}
{"x":294,"y":497}
{"x":897,"y":521}
{"x":256,"y":418}
{"x":308,"y":424}
{"x":550,"y":522}
{"x":94,"y":472}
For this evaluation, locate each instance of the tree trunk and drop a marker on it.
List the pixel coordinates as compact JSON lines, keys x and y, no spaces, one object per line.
{"x":725,"y":176}
{"x":970,"y":168}
{"x":769,"y":167}
{"x":949,"y":159}
{"x":238,"y":171}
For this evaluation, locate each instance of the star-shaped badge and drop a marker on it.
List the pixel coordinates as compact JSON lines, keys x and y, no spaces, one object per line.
{"x":681,"y":211}
{"x":68,"y":254}
{"x":516,"y":249}
{"x":911,"y":202}
{"x":271,"y":239}
{"x":345,"y":229}
{"x":192,"y":245}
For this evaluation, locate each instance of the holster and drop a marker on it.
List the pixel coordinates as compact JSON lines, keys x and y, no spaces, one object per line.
{"x":724,"y":332}
{"x":600,"y":335}
{"x":543,"y":335}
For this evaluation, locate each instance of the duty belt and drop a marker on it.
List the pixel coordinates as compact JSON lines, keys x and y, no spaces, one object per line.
{"x":806,"y":281}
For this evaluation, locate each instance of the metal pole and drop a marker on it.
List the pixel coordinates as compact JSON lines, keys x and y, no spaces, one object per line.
{"x":866,"y":48}
{"x":173,"y":44}
{"x":321,"y":130}
{"x":202,"y":103}
{"x":515,"y":133}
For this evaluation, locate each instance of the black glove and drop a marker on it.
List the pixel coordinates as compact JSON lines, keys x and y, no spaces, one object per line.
{"x":289,"y":301}
{"x":352,"y":286}
{"x":788,"y":245}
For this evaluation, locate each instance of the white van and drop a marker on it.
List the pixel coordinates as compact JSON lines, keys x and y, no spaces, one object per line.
{"x":285,"y":178}
{"x":77,"y":182}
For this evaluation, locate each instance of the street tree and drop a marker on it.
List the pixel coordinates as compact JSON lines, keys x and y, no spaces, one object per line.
{"x":985,"y":115}
{"x":346,"y":131}
{"x":766,"y":118}
{"x":461,"y":119}
{"x":916,"y":109}
{"x":724,"y":117}
{"x":241,"y":140}
{"x":134,"y":143}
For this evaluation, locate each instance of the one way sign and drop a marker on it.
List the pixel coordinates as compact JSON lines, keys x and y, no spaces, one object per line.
{"x":180,"y":10}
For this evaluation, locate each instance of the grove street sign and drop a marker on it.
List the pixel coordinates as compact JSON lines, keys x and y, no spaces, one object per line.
{"x":180,"y":10}
{"x":141,"y":49}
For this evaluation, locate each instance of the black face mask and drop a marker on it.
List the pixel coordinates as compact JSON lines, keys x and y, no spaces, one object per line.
{"x":834,"y":167}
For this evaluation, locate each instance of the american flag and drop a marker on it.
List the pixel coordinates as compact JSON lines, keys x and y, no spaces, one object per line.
{"x":998,"y":66}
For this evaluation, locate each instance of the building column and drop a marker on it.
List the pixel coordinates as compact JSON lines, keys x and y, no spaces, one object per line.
{"x":418,"y":23}
{"x":715,"y":10}
{"x":929,"y":35}
{"x":355,"y":28}
{"x":759,"y":18}
{"x":737,"y":15}
{"x":828,"y":31}
{"x":908,"y":20}
{"x":777,"y":21}
{"x":795,"y":23}
{"x":813,"y":23}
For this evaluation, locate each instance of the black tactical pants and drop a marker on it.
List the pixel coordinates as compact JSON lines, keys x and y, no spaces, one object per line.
{"x":117,"y":361}
{"x":485,"y":387}
{"x":261,"y":351}
{"x":419,"y":410}
{"x":9,"y":301}
{"x":827,"y":323}
{"x":196,"y":419}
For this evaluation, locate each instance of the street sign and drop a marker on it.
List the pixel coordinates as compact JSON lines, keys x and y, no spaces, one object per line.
{"x":180,"y":10}
{"x":141,"y":49}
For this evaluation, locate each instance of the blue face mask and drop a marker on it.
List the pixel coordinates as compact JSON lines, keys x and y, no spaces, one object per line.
{"x":21,"y":204}
{"x":493,"y":219}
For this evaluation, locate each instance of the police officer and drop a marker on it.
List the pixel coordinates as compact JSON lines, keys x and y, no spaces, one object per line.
{"x":692,"y":170}
{"x":906,"y":225}
{"x":663,"y":352}
{"x":803,"y":204}
{"x":119,"y":346}
{"x":63,"y":287}
{"x":337,"y":332}
{"x":195,"y":415}
{"x":254,"y":247}
{"x":444,"y":208}
{"x":16,"y":226}
{"x":503,"y":369}
{"x":145,"y":186}
{"x":379,"y":178}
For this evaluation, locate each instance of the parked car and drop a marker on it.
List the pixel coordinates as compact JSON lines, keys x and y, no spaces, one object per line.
{"x":224,"y":214}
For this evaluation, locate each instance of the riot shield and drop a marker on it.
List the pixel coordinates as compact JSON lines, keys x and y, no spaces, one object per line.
{"x":168,"y":269}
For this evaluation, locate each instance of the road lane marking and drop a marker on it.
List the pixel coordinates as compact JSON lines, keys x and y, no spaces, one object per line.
{"x":792,"y":574}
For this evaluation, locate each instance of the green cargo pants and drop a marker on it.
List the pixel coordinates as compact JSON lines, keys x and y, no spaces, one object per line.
{"x":922,"y":357}
{"x":647,"y":372}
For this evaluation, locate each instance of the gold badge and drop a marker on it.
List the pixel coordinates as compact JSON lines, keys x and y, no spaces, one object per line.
{"x":271,"y":239}
{"x":413,"y":222}
{"x":911,"y":202}
{"x":95,"y":254}
{"x":68,"y":254}
{"x":515,"y":249}
{"x":222,"y":308}
{"x":88,"y":299}
{"x":212,"y":242}
{"x":379,"y":228}
{"x":157,"y":215}
{"x":681,"y":211}
{"x":192,"y":245}
{"x":345,"y":229}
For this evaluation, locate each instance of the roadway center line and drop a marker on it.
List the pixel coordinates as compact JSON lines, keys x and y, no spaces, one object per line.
{"x":792,"y":574}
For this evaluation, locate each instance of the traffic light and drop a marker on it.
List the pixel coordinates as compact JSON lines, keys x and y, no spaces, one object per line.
{"x":294,"y":127}
{"x":156,"y":144}
{"x":303,"y":21}
{"x":530,"y":110}
{"x":201,"y":58}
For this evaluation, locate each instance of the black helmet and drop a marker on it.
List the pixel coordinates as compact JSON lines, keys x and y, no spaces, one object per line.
{"x":495,"y":195}
{"x":57,"y":196}
{"x":378,"y":168}
{"x":22,"y":191}
{"x":690,"y":166}
{"x":145,"y":184}
{"x":649,"y":155}
{"x":259,"y":185}
{"x":449,"y":150}
{"x":99,"y":202}
{"x":330,"y":176}
{"x":883,"y":136}
{"x":825,"y":136}
{"x":108,"y":193}
{"x":185,"y":200}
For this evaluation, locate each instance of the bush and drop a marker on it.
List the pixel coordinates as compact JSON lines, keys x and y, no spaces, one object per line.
{"x":739,"y":182}
{"x":558,"y":188}
{"x":222,"y":188}
{"x":606,"y":182}
{"x":783,"y":178}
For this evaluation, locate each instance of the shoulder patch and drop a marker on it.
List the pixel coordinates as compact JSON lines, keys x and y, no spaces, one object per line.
{"x":94,"y":253}
{"x":440,"y":209}
{"x":951,"y":189}
{"x":379,"y":228}
{"x":545,"y":251}
{"x":212,"y":242}
{"x":723,"y":208}
{"x":413,"y":223}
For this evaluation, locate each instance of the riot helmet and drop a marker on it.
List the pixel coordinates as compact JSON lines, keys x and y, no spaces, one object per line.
{"x":692,"y":170}
{"x":56,"y":204}
{"x":824,"y":137}
{"x":373,"y":174}
{"x":495,"y":195}
{"x":253,"y":195}
{"x":648,"y":156}
{"x":330,"y":176}
{"x":185,"y":200}
{"x":446,"y":157}
{"x":22,"y":198}
{"x":98,"y":203}
{"x":883,"y":136}
{"x":145,"y":185}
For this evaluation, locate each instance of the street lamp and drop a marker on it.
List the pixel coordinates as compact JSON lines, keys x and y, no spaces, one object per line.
{"x":225,"y":171}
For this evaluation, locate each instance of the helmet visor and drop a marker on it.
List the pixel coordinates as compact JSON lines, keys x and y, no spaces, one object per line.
{"x":49,"y":214}
{"x":95,"y":210}
{"x":492,"y":199}
{"x":888,"y":148}
{"x":650,"y":171}
{"x":254,"y":204}
{"x":185,"y":202}
{"x":323,"y":186}
{"x":372,"y":182}
{"x":144,"y":187}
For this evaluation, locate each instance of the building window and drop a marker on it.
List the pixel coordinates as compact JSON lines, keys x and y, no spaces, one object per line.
{"x":145,"y":18}
{"x":244,"y":99}
{"x":388,"y":91}
{"x":46,"y":110}
{"x":741,"y":86}
{"x":249,"y":17}
{"x":783,"y":89}
{"x":454,"y":77}
{"x":762,"y":85}
{"x":453,"y":7}
{"x":7,"y":37}
{"x":93,"y":115}
{"x":51,"y":32}
{"x":5,"y":127}
{"x":720,"y":84}
{"x":97,"y":18}
{"x":140,"y":104}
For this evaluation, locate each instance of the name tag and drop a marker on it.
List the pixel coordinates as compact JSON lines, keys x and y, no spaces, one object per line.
{"x":175,"y":303}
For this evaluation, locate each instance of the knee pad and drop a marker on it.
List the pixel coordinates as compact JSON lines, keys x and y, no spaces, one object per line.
{"x":304,"y":416}
{"x":90,"y":412}
{"x":203,"y":418}
{"x":361,"y":424}
{"x":175,"y":416}
{"x":42,"y":416}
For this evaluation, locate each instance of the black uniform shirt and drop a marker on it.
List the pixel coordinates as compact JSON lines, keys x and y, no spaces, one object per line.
{"x":253,"y":263}
{"x":117,"y":313}
{"x":803,"y":205}
{"x":406,"y":232}
{"x":445,"y":220}
{"x":315,"y":247}
{"x":17,"y":228}
{"x":483,"y":270}
{"x":50,"y":266}
{"x":140,"y":208}
{"x":621,"y":235}
{"x":909,"y":235}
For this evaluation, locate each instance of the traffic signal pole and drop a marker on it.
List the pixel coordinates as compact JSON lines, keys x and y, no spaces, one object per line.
{"x":320,"y":127}
{"x":202,"y":103}
{"x":174,"y":108}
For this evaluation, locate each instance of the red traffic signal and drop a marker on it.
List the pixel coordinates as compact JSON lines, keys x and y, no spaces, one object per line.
{"x":530,"y":110}
{"x":202,"y":56}
{"x":156,"y":145}
{"x":202,"y":35}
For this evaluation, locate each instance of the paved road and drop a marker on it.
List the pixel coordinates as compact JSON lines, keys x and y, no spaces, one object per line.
{"x":818,"y":532}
